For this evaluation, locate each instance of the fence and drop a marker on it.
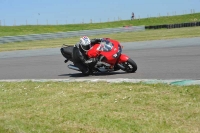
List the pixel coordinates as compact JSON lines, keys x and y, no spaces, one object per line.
{"x":8,"y":39}
{"x":41,"y":21}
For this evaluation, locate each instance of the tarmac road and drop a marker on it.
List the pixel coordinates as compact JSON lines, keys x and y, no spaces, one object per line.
{"x":160,"y":59}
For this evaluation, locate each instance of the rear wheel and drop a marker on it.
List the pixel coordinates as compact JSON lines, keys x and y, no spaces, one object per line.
{"x":130,"y":66}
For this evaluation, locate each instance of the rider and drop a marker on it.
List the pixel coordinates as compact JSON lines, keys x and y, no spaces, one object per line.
{"x":80,"y":57}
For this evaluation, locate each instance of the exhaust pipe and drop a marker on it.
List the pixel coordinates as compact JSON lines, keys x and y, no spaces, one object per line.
{"x":73,"y":67}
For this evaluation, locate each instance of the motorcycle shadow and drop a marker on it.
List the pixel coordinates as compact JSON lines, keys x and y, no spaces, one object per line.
{"x":94,"y":74}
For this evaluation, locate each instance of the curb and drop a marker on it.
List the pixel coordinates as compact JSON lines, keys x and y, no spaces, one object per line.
{"x":181,"y":82}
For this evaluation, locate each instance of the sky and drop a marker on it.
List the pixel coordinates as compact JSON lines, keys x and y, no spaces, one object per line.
{"x":53,"y":12}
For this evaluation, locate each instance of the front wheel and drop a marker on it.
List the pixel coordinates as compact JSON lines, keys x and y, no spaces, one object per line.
{"x":130,"y":66}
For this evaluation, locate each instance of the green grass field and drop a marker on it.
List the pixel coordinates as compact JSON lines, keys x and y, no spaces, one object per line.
{"x":122,"y":37}
{"x":38,"y":29}
{"x":58,"y":107}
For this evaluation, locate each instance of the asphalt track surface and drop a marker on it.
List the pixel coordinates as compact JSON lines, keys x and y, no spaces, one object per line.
{"x":160,"y":59}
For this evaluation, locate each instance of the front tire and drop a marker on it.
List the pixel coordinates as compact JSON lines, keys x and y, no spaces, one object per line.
{"x":130,"y":66}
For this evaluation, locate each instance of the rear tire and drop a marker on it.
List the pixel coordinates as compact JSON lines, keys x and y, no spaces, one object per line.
{"x":130,"y":66}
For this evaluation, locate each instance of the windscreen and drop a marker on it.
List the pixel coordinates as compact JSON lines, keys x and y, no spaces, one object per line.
{"x":106,"y":45}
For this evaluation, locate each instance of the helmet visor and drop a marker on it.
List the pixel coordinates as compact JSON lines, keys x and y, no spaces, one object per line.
{"x":85,"y":47}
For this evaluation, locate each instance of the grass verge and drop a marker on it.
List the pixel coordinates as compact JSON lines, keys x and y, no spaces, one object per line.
{"x":38,"y":29}
{"x":88,"y":107}
{"x":122,"y":37}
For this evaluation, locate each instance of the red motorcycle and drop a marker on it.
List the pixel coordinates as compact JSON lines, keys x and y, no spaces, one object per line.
{"x":109,"y":54}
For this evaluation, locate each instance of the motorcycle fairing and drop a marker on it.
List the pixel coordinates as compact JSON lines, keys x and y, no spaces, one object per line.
{"x":123,"y":58}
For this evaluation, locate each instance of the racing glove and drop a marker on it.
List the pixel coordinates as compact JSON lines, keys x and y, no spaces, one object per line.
{"x":95,"y":41}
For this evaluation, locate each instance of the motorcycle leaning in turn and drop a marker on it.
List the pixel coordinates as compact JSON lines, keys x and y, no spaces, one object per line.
{"x":110,"y":58}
